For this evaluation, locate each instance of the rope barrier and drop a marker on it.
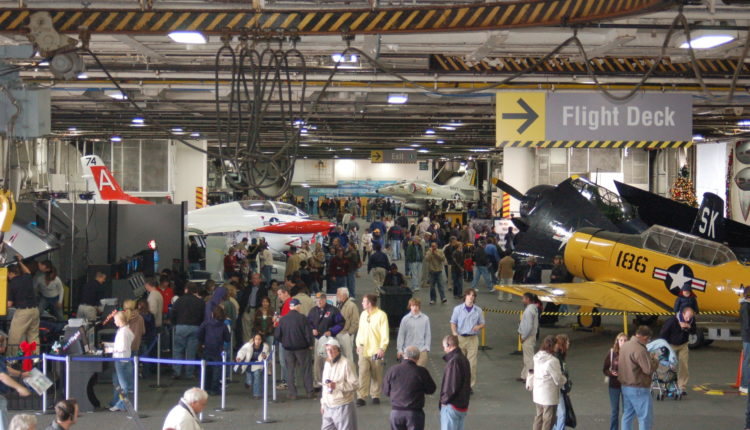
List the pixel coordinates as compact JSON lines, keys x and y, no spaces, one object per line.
{"x":25,"y":357}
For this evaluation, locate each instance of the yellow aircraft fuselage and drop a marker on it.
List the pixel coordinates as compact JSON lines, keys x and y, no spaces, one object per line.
{"x":658,"y":275}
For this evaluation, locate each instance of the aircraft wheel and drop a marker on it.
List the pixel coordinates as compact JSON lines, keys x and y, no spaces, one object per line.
{"x":589,"y":321}
{"x":696,"y":340}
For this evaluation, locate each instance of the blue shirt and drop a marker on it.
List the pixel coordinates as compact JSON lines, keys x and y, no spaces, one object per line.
{"x":414,"y":331}
{"x":466,"y":320}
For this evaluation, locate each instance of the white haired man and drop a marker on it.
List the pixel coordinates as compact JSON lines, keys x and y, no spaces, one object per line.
{"x":23,"y":422}
{"x":184,"y":416}
{"x":340,"y":384}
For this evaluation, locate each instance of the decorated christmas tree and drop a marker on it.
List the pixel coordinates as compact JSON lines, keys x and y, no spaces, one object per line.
{"x":683,"y":190}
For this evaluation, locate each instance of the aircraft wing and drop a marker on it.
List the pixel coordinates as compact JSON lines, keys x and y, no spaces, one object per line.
{"x":602,"y":295}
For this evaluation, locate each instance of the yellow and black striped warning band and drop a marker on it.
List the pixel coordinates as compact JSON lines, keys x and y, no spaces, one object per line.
{"x":629,"y":66}
{"x":644,"y":144}
{"x":480,"y":16}
{"x":611,"y":313}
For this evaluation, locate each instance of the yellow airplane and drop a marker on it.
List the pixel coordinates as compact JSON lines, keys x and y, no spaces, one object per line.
{"x":644,"y":272}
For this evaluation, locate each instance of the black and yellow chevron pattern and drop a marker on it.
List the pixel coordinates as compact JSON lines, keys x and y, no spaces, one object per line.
{"x":606,"y":313}
{"x":481,"y":16}
{"x":632,"y":66}
{"x":642,"y":144}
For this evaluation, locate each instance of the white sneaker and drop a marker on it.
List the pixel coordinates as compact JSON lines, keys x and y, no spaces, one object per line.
{"x":743,"y":390}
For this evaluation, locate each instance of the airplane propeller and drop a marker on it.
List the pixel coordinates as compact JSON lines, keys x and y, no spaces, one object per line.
{"x":509,"y":189}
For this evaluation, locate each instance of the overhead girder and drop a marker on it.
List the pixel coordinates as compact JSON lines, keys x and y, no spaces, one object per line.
{"x":480,"y":16}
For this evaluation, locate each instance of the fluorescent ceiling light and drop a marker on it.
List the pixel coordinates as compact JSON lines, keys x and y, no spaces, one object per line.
{"x":698,"y":137}
{"x":347,"y":149}
{"x":72,"y":129}
{"x":397,"y":99}
{"x":116,"y":94}
{"x":440,"y":142}
{"x":337,"y":57}
{"x":116,"y":139}
{"x":188,"y":37}
{"x":303,"y":131}
{"x":195,"y":134}
{"x":708,"y":41}
{"x":83,"y":76}
{"x":415,"y":145}
{"x":429,"y":131}
{"x":448,"y":127}
{"x":43,"y":64}
{"x":455,"y":124}
{"x":423,"y":151}
{"x":305,"y":185}
{"x":178,"y":130}
{"x":298,"y":123}
{"x":404,"y":149}
{"x":479,"y":150}
{"x":744,"y":123}
{"x":304,"y":144}
{"x":138,"y":120}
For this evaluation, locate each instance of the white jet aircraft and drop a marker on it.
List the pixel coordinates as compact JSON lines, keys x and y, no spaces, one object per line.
{"x":416,"y":194}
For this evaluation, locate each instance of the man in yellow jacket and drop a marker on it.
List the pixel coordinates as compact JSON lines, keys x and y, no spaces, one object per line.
{"x":372,"y":341}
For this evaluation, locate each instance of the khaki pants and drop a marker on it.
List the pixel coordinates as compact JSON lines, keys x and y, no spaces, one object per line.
{"x":370,"y":377}
{"x":470,"y":346}
{"x":528,"y":355}
{"x":342,"y":417}
{"x":23,"y":326}
{"x":423,"y":359}
{"x":378,"y":275}
{"x":88,"y":312}
{"x":682,"y":372}
{"x":508,"y":297}
{"x":545,"y":417}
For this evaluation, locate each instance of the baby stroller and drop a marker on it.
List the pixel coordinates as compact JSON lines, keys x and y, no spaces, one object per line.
{"x":664,"y":379}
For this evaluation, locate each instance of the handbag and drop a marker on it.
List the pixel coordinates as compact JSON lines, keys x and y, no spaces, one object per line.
{"x":611,"y":361}
{"x":570,"y":415}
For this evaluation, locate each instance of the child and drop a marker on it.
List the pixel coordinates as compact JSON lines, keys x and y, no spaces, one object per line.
{"x":468,"y":265}
{"x":213,"y":333}
{"x":686,"y":299}
{"x":123,"y":369}
{"x":253,"y":351}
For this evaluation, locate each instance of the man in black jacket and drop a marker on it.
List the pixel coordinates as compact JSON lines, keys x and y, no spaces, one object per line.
{"x":295,"y":335}
{"x":187,"y":315}
{"x":406,"y":384}
{"x":456,"y":387}
{"x":676,"y":332}
{"x":378,"y":263}
{"x":326,"y":320}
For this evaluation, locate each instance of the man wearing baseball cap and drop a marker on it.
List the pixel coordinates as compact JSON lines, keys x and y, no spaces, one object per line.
{"x":295,"y":335}
{"x":327,"y":322}
{"x":340,"y":384}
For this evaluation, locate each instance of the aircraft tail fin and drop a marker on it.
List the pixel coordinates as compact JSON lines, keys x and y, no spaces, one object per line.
{"x":709,"y":223}
{"x":468,"y":180}
{"x":100,"y":180}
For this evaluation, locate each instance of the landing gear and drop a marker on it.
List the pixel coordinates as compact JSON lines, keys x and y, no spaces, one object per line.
{"x":589,"y":321}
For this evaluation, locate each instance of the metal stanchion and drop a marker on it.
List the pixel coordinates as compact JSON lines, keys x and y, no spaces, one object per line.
{"x":224,"y":385}
{"x":136,"y":362}
{"x":273,"y":370}
{"x":67,"y":376}
{"x":203,"y":387}
{"x":625,"y":322}
{"x":158,"y":364}
{"x":44,"y":394}
{"x":265,"y":419}
{"x":231,"y":351}
{"x":519,"y":349}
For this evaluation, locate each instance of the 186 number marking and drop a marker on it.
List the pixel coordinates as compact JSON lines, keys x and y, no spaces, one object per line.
{"x":630,"y":261}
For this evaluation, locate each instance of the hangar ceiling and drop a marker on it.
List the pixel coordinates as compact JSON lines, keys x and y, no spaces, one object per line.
{"x":445,"y":115}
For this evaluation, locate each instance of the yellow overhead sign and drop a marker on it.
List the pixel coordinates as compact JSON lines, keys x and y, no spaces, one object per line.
{"x":520,"y":115}
{"x":376,"y":156}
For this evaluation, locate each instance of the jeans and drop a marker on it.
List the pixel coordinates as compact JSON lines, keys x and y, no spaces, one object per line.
{"x":745,"y":365}
{"x":636,"y":401}
{"x":185,"y":345}
{"x":614,"y":405}
{"x":415,"y":268}
{"x":560,"y":419}
{"x":51,"y":303}
{"x":213,"y":375}
{"x":282,"y":361}
{"x":255,"y":378}
{"x":458,"y":282}
{"x":122,"y":378}
{"x":396,"y":245}
{"x":451,"y":419}
{"x":482,"y":272}
{"x":436,"y":279}
{"x":265,"y":273}
{"x":351,"y":283}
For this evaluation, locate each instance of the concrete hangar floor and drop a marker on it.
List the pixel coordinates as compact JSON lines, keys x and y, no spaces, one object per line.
{"x":499,"y":401}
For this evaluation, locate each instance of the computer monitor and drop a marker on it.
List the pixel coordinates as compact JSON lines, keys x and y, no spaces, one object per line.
{"x":75,"y":341}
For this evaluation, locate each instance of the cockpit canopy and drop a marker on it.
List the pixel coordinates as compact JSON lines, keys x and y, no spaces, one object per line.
{"x":272,"y":207}
{"x":685,"y":246}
